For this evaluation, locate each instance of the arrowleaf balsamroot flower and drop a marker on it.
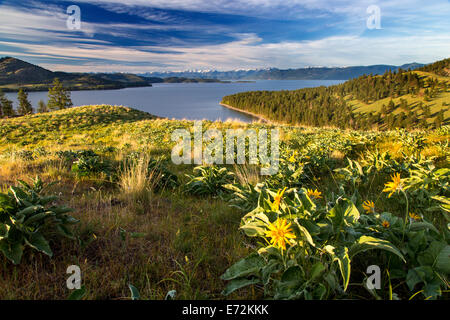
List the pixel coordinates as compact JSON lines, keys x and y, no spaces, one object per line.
{"x":316,"y":194}
{"x":277,"y":199}
{"x":293,"y":157}
{"x":394,"y":185}
{"x":369,"y":206}
{"x":280,"y":233}
{"x":415,"y":216}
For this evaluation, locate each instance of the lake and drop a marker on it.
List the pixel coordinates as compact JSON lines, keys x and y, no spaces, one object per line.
{"x":192,"y":101}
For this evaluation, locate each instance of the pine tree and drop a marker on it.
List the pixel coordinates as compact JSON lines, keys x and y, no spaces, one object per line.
{"x":58,"y":97}
{"x":1,"y":105}
{"x":24,"y":105}
{"x":6,"y":106}
{"x":42,"y":107}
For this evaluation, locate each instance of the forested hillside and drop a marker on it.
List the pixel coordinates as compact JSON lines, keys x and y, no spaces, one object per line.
{"x":405,"y":99}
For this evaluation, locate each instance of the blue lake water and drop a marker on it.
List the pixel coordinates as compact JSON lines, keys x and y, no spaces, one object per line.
{"x":192,"y":101}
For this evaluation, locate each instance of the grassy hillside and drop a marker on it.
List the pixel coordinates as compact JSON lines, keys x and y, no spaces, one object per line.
{"x":441,"y":101}
{"x":159,"y":226}
{"x":399,"y":99}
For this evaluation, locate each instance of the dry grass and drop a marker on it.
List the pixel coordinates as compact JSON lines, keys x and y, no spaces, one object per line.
{"x":121,"y":243}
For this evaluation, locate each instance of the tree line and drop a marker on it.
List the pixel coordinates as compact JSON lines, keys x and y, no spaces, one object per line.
{"x":58,"y":99}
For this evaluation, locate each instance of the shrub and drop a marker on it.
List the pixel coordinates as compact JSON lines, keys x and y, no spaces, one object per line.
{"x":208,"y":180}
{"x":27,"y":218}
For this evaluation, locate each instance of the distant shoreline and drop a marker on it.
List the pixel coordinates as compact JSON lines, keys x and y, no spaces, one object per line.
{"x":258,"y":116}
{"x":45,"y":88}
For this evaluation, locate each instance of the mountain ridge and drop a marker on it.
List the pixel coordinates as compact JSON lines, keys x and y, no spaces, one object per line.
{"x":16,"y":73}
{"x":307,"y":73}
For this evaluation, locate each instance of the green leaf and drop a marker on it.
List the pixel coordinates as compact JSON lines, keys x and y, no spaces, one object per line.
{"x":12,"y":251}
{"x":344,"y":212}
{"x":417,"y":226}
{"x":30,"y":210}
{"x":35,"y":218}
{"x":291,"y":281}
{"x":272,"y":267}
{"x":305,"y":233}
{"x":443,"y":260}
{"x":248,"y":266}
{"x":343,"y":260}
{"x":134,"y":292}
{"x":38,"y":242}
{"x":365,"y":243}
{"x":419,"y":275}
{"x":254,"y":229}
{"x":77,"y":294}
{"x":317,"y":270}
{"x":4,"y":229}
{"x":235,"y":284}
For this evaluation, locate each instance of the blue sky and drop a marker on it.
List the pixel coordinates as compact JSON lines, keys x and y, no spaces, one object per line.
{"x":173,"y":35}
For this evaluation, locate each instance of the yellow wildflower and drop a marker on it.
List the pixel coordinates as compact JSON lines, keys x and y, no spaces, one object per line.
{"x":386,"y":224}
{"x":394,"y":185}
{"x":415,"y":216}
{"x":314,"y":194}
{"x":277,"y":199}
{"x":369,"y":206}
{"x":280,"y":233}
{"x":293,"y":157}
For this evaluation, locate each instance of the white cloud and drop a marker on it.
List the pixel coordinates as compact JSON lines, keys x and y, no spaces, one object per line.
{"x":243,"y":54}
{"x":43,"y":33}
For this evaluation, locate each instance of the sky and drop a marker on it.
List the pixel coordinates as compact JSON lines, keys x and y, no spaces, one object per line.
{"x":176,"y":35}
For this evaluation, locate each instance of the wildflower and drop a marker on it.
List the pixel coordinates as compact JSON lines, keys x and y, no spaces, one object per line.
{"x":280,"y":233}
{"x":314,"y":194}
{"x":385,"y":224}
{"x":277,"y":199}
{"x":394,"y":185}
{"x":293,"y":157}
{"x":415,"y":216}
{"x":369,"y":206}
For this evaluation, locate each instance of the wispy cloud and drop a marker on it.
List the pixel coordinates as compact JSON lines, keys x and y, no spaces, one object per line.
{"x":138,"y":36}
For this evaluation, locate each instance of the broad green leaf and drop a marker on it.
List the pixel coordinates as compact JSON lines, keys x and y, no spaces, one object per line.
{"x":35,"y":218}
{"x":419,"y":275}
{"x":272,"y":267}
{"x":316,"y":270}
{"x":30,"y":210}
{"x":417,"y":226}
{"x":365,"y":243}
{"x":38,"y":242}
{"x":305,"y":233}
{"x":12,"y":251}
{"x":343,"y":260}
{"x":4,"y":229}
{"x":254,"y":229}
{"x":291,"y":281}
{"x":77,"y":294}
{"x":344,"y":212}
{"x":235,"y":284}
{"x":319,"y":292}
{"x":443,"y":260}
{"x":245,"y":267}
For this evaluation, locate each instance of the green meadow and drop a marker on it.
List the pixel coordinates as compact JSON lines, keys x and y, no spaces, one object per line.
{"x":138,"y":224}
